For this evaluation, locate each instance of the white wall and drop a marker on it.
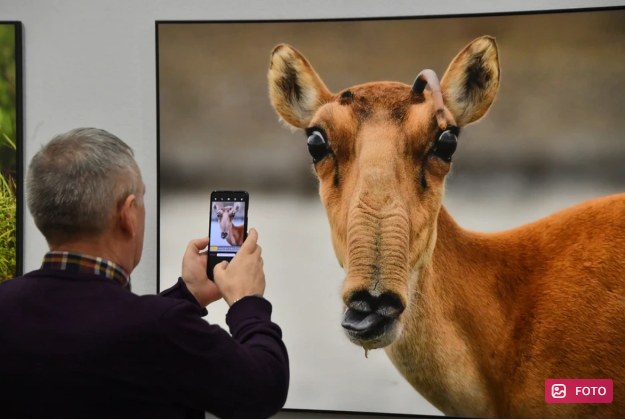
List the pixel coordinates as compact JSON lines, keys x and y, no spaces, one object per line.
{"x":92,"y":63}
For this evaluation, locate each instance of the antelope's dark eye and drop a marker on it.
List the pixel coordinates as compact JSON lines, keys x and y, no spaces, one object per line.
{"x":317,"y":146}
{"x":445,"y":145}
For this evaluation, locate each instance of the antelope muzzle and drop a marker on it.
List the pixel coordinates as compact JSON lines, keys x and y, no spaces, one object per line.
{"x":372,"y":319}
{"x":376,"y":289}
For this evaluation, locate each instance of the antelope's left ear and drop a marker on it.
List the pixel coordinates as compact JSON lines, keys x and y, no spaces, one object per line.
{"x":237,"y":207}
{"x":295,"y":89}
{"x":471,"y":81}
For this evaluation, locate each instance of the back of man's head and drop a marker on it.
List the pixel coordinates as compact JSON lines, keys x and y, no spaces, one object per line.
{"x":76,"y":182}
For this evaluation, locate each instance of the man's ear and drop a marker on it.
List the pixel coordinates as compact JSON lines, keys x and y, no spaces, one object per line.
{"x":471,"y":81}
{"x":127,"y":216}
{"x":295,"y":89}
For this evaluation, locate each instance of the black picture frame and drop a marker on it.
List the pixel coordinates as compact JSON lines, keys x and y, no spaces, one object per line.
{"x":19,"y":143}
{"x":318,"y":412}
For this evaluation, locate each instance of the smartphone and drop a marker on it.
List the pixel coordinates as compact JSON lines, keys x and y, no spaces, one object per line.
{"x":228,"y":226}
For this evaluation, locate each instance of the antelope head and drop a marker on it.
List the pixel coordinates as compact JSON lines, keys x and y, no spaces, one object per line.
{"x":381,"y":152}
{"x":225,"y":216}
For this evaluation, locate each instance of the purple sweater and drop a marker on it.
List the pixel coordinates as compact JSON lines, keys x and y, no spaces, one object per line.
{"x":75,"y":345}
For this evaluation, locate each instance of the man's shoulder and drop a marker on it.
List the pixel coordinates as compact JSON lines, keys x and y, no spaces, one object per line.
{"x":77,"y":287}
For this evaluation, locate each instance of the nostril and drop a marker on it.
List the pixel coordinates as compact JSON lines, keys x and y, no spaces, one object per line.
{"x":361,"y":306}
{"x":390,"y":305}
{"x":387,"y":304}
{"x":361,"y":301}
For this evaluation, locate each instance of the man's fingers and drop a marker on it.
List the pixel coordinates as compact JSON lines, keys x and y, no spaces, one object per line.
{"x":250,"y":243}
{"x":196,"y":245}
{"x":204,"y":257}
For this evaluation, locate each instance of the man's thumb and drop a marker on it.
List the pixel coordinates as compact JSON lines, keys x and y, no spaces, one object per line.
{"x":196,"y":245}
{"x":220,"y":268}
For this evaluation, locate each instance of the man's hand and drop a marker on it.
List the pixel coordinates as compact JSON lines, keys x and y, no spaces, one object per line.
{"x":194,"y":265}
{"x":244,"y":275}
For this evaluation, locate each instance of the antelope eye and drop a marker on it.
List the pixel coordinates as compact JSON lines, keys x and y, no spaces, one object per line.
{"x":317,"y":146}
{"x":445,"y":145}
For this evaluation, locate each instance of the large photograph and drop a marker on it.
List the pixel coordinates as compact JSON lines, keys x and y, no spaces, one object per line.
{"x":10,"y":182}
{"x":439,"y":201}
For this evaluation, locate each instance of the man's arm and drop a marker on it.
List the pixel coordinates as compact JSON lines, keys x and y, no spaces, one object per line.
{"x":180,"y":291}
{"x":243,"y":376}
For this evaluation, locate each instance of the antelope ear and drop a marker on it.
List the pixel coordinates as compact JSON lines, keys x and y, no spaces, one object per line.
{"x":215,"y":208}
{"x":295,"y":89}
{"x":471,"y":81}
{"x":237,"y":207}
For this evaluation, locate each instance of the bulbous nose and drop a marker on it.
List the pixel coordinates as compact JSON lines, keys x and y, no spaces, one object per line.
{"x":369,"y":316}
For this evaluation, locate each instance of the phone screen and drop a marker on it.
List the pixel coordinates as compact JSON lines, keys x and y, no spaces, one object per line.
{"x":228,"y":226}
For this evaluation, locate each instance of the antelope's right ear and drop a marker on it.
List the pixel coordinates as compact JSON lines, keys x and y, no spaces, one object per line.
{"x":295,"y":89}
{"x":471,"y":81}
{"x":215,"y":208}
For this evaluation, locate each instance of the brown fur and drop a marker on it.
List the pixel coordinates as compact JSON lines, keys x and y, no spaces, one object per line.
{"x":488,"y":317}
{"x":237,"y":233}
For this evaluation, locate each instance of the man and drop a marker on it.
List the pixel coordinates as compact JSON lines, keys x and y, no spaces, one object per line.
{"x":76,"y":342}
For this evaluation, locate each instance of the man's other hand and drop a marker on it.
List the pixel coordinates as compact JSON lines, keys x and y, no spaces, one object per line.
{"x":194,"y":265}
{"x":244,"y":275}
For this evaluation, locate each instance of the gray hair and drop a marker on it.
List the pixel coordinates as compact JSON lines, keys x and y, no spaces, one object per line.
{"x":77,"y":180}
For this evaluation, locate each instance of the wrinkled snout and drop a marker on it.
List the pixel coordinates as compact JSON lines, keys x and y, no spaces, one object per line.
{"x":377,"y":287}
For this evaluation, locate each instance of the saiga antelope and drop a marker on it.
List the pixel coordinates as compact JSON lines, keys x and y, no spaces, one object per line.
{"x":233,"y":234}
{"x":475,"y":322}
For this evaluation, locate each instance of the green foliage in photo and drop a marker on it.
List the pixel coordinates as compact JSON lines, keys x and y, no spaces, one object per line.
{"x":8,"y":152}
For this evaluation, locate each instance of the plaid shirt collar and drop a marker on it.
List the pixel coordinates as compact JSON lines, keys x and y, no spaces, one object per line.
{"x":81,"y":263}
